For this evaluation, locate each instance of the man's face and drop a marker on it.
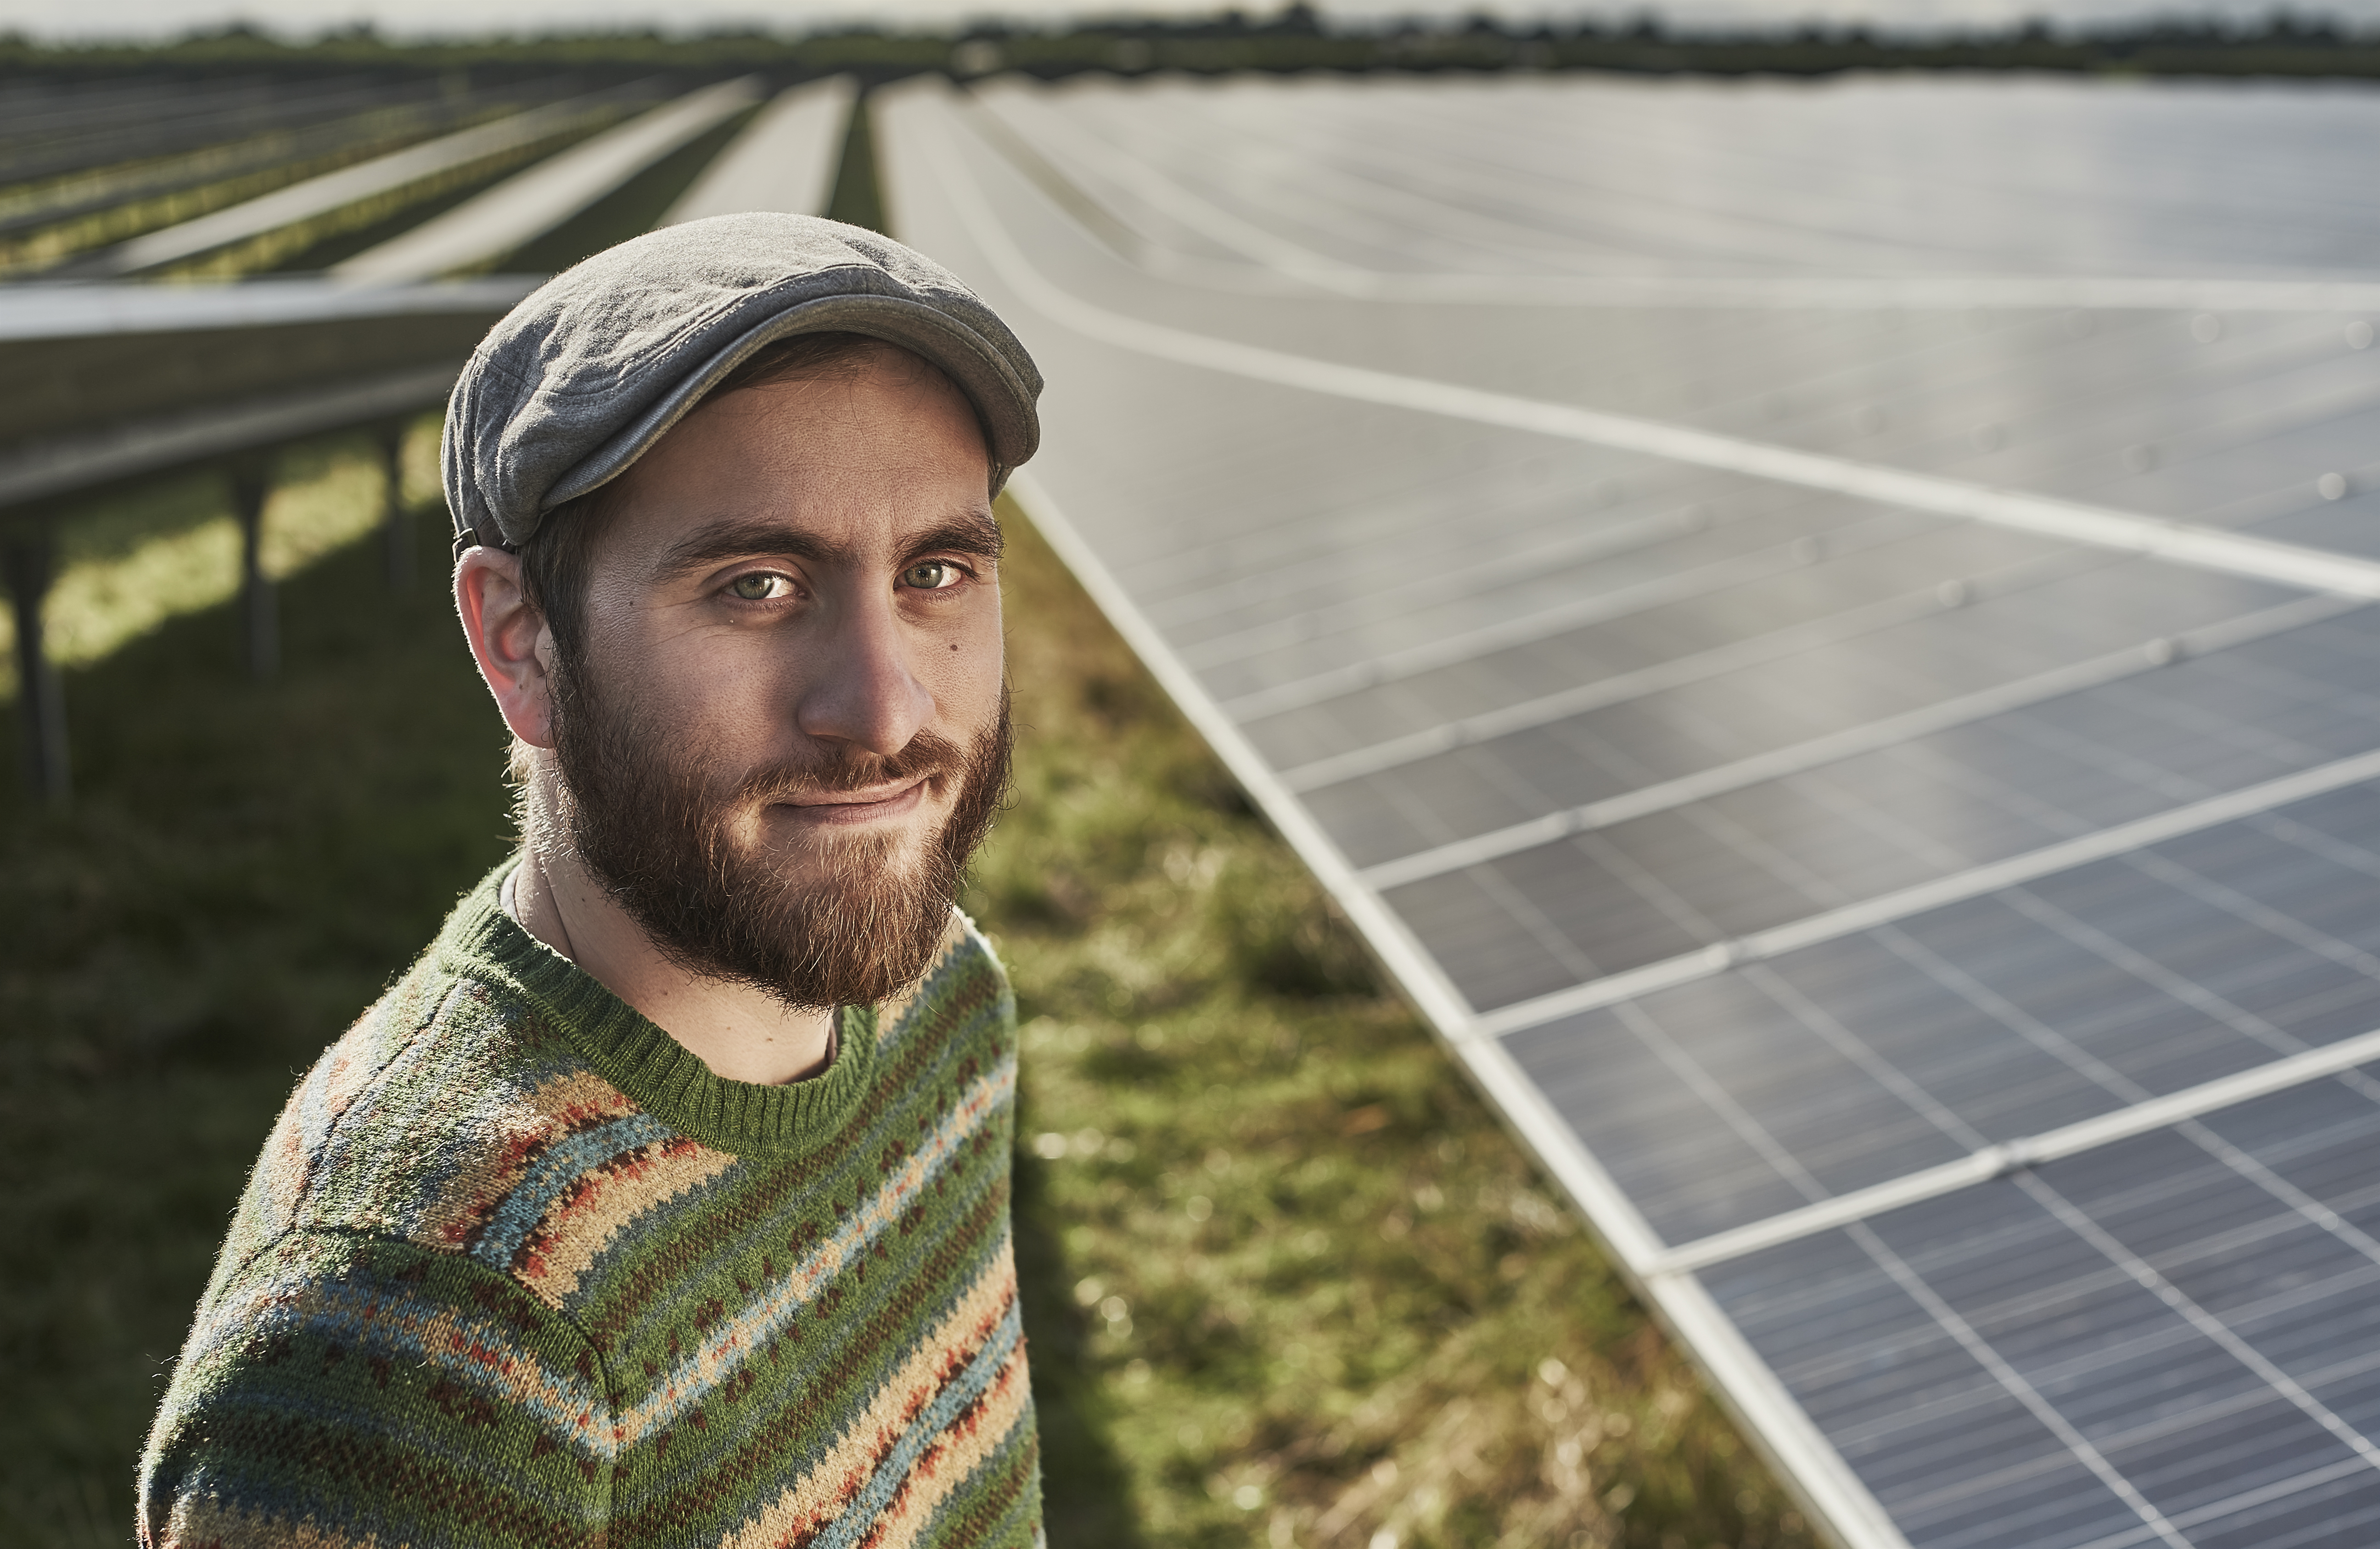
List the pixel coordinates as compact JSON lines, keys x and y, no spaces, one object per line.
{"x":789,"y":729}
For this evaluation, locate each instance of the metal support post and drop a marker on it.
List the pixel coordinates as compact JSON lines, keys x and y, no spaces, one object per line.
{"x":396,"y":526}
{"x":29,"y":559}
{"x":250,"y":483}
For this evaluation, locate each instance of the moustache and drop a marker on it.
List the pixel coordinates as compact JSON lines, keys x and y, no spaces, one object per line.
{"x":842,"y":770}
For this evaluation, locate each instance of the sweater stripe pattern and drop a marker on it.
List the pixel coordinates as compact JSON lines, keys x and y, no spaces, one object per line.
{"x":515,"y":1268}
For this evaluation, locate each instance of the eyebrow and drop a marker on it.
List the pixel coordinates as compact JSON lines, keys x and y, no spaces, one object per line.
{"x":974,"y":533}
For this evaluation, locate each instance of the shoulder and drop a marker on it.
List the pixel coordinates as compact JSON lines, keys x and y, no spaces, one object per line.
{"x":963,"y":993}
{"x":334,"y":1369}
{"x":454,"y":1119}
{"x":946,"y":1048}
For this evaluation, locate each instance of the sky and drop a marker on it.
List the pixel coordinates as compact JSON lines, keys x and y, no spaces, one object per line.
{"x":67,"y":20}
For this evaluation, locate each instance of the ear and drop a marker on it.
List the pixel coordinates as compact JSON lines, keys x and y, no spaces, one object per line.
{"x":510,"y":639}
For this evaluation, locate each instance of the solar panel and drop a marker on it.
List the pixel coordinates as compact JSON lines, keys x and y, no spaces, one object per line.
{"x":1825,"y":633}
{"x":783,"y":160}
{"x":495,"y":221}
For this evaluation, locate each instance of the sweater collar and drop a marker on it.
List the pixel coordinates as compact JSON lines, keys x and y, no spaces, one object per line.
{"x":633,"y":1053}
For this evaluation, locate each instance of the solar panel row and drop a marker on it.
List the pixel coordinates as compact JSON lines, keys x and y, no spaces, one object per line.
{"x":1759,"y":177}
{"x":1789,"y":843}
{"x":49,"y":131}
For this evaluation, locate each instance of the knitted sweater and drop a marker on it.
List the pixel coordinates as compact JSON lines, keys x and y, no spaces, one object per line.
{"x":515,"y":1268}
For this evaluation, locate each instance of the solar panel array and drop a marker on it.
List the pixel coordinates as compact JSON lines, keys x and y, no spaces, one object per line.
{"x":67,"y":150}
{"x":114,"y":380}
{"x":1824,"y":633}
{"x":205,"y":350}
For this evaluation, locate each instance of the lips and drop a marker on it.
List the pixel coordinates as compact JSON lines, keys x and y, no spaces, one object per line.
{"x":872,"y":806}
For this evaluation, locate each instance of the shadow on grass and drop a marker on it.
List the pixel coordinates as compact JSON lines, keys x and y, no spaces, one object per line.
{"x":244,"y":868}
{"x":1085,"y":1494}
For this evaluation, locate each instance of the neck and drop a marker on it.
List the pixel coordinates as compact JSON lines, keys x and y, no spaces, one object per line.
{"x":739,"y":1031}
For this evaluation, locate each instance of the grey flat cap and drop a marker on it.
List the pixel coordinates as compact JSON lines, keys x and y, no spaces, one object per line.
{"x":580,"y":378}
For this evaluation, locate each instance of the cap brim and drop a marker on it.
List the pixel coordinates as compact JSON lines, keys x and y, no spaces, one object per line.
{"x":1003,"y":402}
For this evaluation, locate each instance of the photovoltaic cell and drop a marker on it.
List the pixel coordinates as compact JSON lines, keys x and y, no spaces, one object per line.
{"x":1887,"y":923}
{"x":2145,"y":1296}
{"x":1873,"y":1056}
{"x":1759,"y":858}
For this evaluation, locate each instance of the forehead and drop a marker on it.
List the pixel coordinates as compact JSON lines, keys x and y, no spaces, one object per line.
{"x":875,"y":397}
{"x":881,"y":443}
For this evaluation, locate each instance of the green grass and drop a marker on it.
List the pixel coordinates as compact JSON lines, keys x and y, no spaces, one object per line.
{"x":132,"y":561}
{"x":858,"y":197}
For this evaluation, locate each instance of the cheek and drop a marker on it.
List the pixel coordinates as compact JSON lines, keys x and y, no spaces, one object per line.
{"x":714,"y":694}
{"x":967,"y":669}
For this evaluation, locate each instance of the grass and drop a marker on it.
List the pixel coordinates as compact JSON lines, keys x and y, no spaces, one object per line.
{"x":858,"y":198}
{"x":131,"y":561}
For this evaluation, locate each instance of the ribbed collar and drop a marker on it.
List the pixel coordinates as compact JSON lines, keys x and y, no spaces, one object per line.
{"x":627,"y":1049}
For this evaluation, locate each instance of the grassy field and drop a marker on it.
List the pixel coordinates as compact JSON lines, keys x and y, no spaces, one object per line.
{"x":130,"y":563}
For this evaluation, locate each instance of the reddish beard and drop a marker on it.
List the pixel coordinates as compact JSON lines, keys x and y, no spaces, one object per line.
{"x":847,"y":922}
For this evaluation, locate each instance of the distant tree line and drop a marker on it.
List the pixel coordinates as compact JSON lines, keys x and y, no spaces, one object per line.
{"x":1299,"y":38}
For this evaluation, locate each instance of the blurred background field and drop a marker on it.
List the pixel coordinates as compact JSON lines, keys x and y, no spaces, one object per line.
{"x":1287,"y":1281}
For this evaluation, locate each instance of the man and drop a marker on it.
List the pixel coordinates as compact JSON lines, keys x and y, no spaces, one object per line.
{"x":666,"y":1200}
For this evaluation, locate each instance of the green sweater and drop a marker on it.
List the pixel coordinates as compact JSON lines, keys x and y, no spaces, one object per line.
{"x":515,"y":1268}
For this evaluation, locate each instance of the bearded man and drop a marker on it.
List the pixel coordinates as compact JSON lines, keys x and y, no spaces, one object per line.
{"x":666,"y":1200}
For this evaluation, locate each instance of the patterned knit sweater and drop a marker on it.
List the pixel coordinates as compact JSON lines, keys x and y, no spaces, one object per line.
{"x":515,"y":1268}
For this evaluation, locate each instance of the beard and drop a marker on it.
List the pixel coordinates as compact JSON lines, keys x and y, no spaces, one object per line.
{"x":847,"y":921}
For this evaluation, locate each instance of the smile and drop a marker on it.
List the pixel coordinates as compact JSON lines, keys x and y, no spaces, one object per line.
{"x":874,"y":805}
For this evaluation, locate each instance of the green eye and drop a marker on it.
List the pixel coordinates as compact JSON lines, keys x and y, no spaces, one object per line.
{"x":932,"y":576}
{"x":759,"y":587}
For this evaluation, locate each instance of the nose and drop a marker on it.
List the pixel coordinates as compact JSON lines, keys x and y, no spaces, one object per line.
{"x":862,"y":691}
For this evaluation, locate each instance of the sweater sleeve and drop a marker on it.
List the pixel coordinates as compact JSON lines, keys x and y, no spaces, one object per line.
{"x":343,"y":1389}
